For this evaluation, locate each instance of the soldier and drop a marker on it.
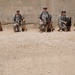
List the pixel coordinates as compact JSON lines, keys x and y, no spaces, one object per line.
{"x":44,"y":18}
{"x":17,"y":21}
{"x":62,"y":21}
{"x":66,"y":22}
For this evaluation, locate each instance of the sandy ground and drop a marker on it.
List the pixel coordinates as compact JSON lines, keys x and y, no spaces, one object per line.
{"x":34,"y":53}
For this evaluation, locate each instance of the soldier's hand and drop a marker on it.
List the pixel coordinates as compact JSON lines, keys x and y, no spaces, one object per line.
{"x":64,"y":22}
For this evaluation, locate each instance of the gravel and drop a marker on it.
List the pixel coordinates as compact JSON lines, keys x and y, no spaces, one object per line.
{"x":35,"y":53}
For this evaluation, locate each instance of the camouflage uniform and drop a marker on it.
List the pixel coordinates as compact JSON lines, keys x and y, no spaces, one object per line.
{"x":61,"y":21}
{"x":17,"y":21}
{"x":44,"y":18}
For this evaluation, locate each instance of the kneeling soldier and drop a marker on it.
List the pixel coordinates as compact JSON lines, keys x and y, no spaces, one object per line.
{"x":44,"y":18}
{"x":17,"y":21}
{"x":62,"y":21}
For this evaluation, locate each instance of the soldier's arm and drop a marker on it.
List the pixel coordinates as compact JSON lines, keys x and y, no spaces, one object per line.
{"x":63,"y":22}
{"x":60,"y":20}
{"x":14,"y":19}
{"x":40,"y":16}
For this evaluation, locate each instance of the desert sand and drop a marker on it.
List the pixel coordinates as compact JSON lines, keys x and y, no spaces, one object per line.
{"x":35,"y":53}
